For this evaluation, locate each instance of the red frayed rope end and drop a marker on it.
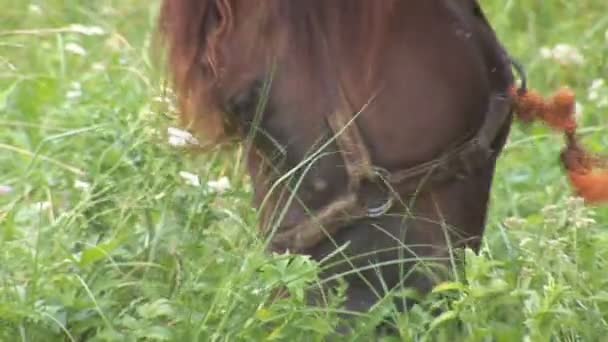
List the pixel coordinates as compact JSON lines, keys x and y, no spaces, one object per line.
{"x":588,"y":174}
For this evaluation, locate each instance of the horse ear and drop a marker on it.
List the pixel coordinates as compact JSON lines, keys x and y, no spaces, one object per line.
{"x":217,"y":23}
{"x":191,"y":31}
{"x":588,"y":174}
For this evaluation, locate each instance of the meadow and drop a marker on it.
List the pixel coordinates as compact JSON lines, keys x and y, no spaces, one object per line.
{"x":111,"y":232}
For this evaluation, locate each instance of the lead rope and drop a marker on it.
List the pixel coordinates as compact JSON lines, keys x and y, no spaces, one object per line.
{"x":588,"y":174}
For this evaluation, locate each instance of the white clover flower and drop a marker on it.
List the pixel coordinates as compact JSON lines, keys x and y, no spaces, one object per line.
{"x":564,"y":54}
{"x":575,"y":202}
{"x":87,"y":30}
{"x":525,"y":241}
{"x":172,"y":108}
{"x":584,"y":222}
{"x":42,"y":206}
{"x":115,"y":43}
{"x":578,"y":110}
{"x":98,"y":66}
{"x":546,"y":52}
{"x":598,"y":93}
{"x":595,"y":88}
{"x":190,"y":178}
{"x":82,"y":185}
{"x":180,"y":138}
{"x":162,"y":99}
{"x":33,"y":8}
{"x":75,"y":49}
{"x":5,"y":190}
{"x":514,"y":222}
{"x":219,"y":186}
{"x":75,"y":92}
{"x":597,"y":83}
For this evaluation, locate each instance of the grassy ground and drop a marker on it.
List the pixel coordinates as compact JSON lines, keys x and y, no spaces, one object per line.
{"x":101,"y":239}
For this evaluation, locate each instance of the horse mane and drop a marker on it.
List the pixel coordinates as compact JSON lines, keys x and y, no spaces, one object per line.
{"x":196,"y":35}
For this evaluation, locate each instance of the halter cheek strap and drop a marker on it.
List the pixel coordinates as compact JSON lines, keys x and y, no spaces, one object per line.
{"x":344,"y":209}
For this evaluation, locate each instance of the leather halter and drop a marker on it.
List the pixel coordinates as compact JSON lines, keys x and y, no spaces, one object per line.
{"x":457,"y":162}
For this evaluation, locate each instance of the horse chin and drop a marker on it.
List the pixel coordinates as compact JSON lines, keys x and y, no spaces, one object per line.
{"x":373,"y":260}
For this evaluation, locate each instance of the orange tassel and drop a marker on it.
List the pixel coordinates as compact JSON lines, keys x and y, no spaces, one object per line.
{"x":560,"y":113}
{"x":528,"y":105}
{"x":584,"y":172}
{"x":593,"y":186}
{"x":588,"y":175}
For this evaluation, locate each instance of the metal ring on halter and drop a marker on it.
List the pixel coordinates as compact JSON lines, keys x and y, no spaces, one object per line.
{"x":382,"y":209}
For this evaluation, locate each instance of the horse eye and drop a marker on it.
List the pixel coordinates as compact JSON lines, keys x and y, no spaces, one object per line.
{"x":243,"y":104}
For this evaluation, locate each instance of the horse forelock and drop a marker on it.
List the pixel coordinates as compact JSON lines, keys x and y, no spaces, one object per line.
{"x":195,"y":33}
{"x":190,"y":31}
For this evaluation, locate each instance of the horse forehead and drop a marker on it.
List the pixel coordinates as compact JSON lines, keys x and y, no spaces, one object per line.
{"x":309,"y":96}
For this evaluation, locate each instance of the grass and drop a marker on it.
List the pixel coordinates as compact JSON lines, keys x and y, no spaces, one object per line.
{"x":102,"y":240}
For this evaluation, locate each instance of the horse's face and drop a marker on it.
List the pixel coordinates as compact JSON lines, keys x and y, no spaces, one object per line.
{"x":419,"y":73}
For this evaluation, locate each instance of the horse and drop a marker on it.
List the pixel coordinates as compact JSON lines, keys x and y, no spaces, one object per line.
{"x":372,"y":127}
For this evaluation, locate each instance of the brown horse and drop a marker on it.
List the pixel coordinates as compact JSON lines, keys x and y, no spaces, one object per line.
{"x":373,"y":126}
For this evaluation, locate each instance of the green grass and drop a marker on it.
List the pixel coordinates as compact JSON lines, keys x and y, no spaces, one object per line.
{"x":142,"y":255}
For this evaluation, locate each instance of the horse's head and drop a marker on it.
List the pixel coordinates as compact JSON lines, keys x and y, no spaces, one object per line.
{"x":374,"y":124}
